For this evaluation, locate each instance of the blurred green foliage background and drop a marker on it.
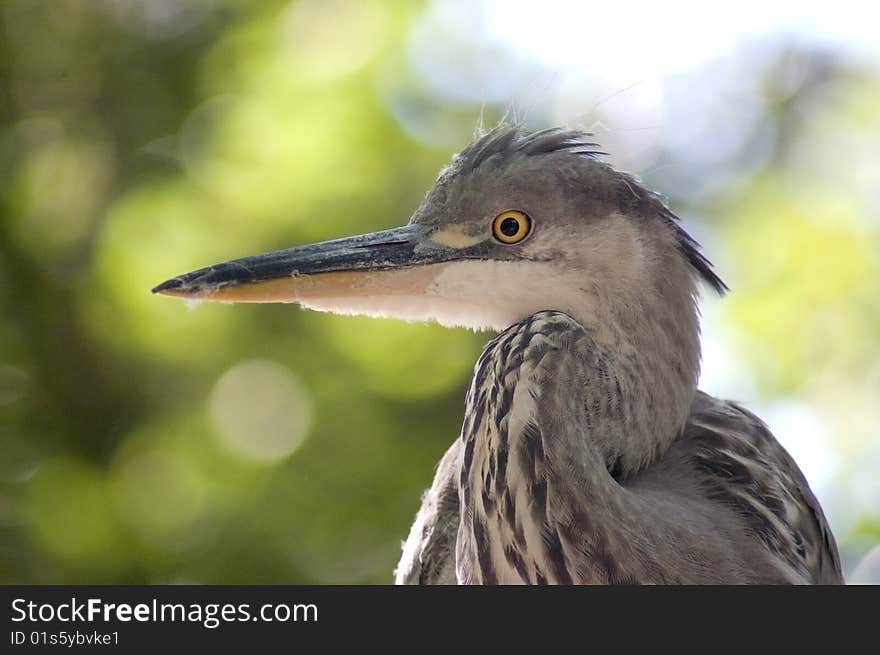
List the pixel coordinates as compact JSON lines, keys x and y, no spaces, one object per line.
{"x":142,"y":442}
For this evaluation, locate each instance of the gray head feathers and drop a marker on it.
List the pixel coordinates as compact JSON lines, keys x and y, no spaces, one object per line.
{"x":506,"y":140}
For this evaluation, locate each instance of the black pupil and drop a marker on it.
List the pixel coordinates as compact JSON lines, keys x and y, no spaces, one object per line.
{"x":509,"y":227}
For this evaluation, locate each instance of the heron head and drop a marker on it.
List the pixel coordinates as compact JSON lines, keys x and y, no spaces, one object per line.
{"x":516,"y":224}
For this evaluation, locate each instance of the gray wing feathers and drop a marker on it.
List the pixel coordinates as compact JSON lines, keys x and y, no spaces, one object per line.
{"x":725,"y":464}
{"x":429,"y":551}
{"x":745,"y":468}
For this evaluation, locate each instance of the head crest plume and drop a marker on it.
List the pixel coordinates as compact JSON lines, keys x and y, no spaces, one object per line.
{"x":507,"y":140}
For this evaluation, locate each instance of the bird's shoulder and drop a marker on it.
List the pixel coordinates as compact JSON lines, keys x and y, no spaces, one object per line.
{"x":741,"y":464}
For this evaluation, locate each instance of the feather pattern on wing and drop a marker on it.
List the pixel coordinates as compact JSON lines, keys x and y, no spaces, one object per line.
{"x":725,"y":504}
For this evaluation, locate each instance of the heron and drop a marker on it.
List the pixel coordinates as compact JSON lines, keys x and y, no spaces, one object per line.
{"x":587,"y":453}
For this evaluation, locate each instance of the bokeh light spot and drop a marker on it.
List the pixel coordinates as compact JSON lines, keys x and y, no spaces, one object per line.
{"x":156,"y":493}
{"x":57,"y":194}
{"x":260,"y":410}
{"x":329,"y":39}
{"x":150,"y":235}
{"x":67,"y":506}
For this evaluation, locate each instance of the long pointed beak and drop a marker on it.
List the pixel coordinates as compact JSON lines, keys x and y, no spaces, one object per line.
{"x":391,"y":262}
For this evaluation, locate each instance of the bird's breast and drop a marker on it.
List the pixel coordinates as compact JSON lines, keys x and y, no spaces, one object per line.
{"x":504,"y":536}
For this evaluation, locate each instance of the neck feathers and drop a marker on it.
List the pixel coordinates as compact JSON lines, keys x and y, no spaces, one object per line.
{"x":644,"y":335}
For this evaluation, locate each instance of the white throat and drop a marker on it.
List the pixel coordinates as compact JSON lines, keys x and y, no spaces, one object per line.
{"x":480,"y":295}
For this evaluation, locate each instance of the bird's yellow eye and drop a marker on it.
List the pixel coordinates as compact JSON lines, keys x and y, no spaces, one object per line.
{"x":511,"y":226}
